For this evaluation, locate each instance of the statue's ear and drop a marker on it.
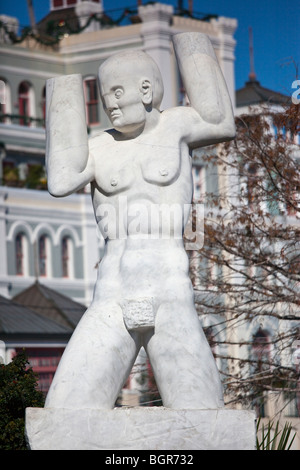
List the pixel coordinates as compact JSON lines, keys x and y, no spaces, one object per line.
{"x":146,"y":90}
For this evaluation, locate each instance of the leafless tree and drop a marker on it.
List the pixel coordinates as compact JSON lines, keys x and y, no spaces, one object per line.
{"x":248,"y":271}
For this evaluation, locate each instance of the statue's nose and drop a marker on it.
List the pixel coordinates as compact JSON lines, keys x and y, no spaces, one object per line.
{"x":111,"y":103}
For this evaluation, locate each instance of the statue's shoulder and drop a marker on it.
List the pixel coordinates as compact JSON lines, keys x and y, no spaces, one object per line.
{"x":176,"y":112}
{"x":101,"y":138}
{"x":178,"y":117}
{"x":98,"y":143}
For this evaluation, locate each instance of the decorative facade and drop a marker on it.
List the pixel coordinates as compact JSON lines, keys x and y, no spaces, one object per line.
{"x":43,"y":237}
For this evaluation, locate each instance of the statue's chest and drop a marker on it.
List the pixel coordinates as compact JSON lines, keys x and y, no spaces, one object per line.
{"x":125,"y":166}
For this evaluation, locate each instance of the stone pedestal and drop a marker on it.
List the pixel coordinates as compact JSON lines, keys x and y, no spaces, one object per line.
{"x":140,"y":428}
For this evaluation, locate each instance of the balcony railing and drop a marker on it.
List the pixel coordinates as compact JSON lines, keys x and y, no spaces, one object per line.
{"x":21,"y":120}
{"x":34,"y":180}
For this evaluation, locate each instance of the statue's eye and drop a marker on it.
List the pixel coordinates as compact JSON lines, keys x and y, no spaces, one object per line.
{"x":118,"y":93}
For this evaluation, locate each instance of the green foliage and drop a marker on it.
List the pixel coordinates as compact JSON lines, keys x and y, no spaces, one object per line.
{"x":17,"y":392}
{"x":36,"y":177}
{"x":268,"y":439}
{"x":11,"y":176}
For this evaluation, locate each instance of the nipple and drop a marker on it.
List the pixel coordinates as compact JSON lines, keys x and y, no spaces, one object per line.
{"x":113,"y":182}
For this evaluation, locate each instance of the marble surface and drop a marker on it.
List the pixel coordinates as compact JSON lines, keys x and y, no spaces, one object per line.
{"x":141,"y":428}
{"x":140,"y":173}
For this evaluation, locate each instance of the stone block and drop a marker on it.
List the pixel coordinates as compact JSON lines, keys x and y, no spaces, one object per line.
{"x":140,"y":428}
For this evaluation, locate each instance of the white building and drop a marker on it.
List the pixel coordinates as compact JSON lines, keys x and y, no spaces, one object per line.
{"x":56,"y":240}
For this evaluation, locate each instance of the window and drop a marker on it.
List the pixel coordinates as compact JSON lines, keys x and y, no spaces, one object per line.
{"x":57,"y":3}
{"x":44,"y":256}
{"x":273,"y":203}
{"x":66,"y":3}
{"x":199,"y":182}
{"x":91,"y":100}
{"x":24,"y":108}
{"x":67,"y":257}
{"x":261,"y":349}
{"x":63,"y":3}
{"x":44,"y":362}
{"x":261,"y":355}
{"x":20,"y":254}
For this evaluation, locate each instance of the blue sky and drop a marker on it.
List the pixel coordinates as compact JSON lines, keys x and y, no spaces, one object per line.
{"x":275,"y":25}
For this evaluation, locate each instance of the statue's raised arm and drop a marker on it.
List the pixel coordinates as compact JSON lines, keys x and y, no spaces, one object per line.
{"x":210,"y":118}
{"x":69,"y":167}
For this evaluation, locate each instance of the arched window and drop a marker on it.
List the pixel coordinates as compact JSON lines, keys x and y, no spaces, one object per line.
{"x":44,"y":256}
{"x":21,"y":250}
{"x":5,"y":101}
{"x":261,"y":349}
{"x":67,"y":257}
{"x":24,"y":103}
{"x":91,"y":100}
{"x":261,"y":356}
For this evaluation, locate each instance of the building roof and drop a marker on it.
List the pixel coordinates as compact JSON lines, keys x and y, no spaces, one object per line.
{"x":51,"y":304}
{"x":253,"y":93}
{"x":19,"y":319}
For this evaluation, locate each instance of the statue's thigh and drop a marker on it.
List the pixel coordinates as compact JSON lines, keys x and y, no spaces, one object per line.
{"x":182,"y":360}
{"x":96,"y":361}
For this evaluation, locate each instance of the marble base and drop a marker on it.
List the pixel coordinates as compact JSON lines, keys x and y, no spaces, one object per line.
{"x":139,"y":428}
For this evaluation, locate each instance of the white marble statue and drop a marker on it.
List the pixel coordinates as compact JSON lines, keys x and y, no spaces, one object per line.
{"x":143,"y":295}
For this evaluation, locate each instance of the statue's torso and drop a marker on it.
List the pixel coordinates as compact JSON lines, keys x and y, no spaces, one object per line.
{"x":151,"y":171}
{"x":141,"y":196}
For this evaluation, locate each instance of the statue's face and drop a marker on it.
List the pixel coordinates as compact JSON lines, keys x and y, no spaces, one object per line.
{"x":123,"y":101}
